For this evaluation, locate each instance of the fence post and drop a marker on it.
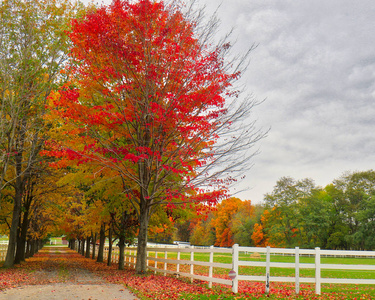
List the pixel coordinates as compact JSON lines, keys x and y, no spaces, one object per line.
{"x":317,"y":272}
{"x":135,"y":258}
{"x":156,"y":262}
{"x":235,"y":258}
{"x":178,"y":259}
{"x":192,"y":262}
{"x":165,"y":263}
{"x":130,"y":258}
{"x":210,"y":270}
{"x":127,"y":254}
{"x":297,"y":269}
{"x":268,"y":263}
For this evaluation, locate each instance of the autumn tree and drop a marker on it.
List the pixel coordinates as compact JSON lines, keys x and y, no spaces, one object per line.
{"x":38,"y":186}
{"x":243,"y":223}
{"x":153,"y":99}
{"x":32,"y":51}
{"x":202,"y":232}
{"x":259,"y":236}
{"x":161,"y":227}
{"x":101,"y":208}
{"x":222,"y":221}
{"x":6,"y":209}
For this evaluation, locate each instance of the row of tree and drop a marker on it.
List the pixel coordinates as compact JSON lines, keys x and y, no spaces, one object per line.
{"x":33,"y":49}
{"x":115,"y":120}
{"x":296,"y":213}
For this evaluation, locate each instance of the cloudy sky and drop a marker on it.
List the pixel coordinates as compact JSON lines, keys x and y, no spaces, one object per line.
{"x":315,"y":65}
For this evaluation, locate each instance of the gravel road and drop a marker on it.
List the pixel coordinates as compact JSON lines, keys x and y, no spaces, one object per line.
{"x":68,"y":291}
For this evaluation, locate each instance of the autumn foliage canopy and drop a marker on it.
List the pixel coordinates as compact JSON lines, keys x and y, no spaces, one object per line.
{"x":145,"y":99}
{"x":145,"y":102}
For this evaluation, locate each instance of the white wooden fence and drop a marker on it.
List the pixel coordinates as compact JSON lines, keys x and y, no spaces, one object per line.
{"x":160,"y":255}
{"x":318,"y":266}
{"x":3,"y":251}
{"x":192,"y":262}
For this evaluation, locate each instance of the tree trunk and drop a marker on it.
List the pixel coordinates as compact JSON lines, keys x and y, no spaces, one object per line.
{"x":88,"y":246}
{"x":94,"y":237}
{"x":109,"y":259}
{"x":21,"y":243}
{"x":101,"y":244}
{"x":32,"y":248}
{"x":83,"y":247}
{"x":28,"y":254}
{"x":12,"y":244}
{"x":144,"y":216}
{"x":121,"y":259}
{"x":17,"y":259}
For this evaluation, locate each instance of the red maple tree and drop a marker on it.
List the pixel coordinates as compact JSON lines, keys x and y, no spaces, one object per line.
{"x":147,"y":100}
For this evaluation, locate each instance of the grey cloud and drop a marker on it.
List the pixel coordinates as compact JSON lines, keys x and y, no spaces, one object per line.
{"x":315,"y":65}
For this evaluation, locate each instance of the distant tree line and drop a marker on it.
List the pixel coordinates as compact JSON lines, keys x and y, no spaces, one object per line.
{"x":296,"y":213}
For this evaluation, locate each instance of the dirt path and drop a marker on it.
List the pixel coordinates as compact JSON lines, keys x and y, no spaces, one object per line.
{"x":59,"y":273}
